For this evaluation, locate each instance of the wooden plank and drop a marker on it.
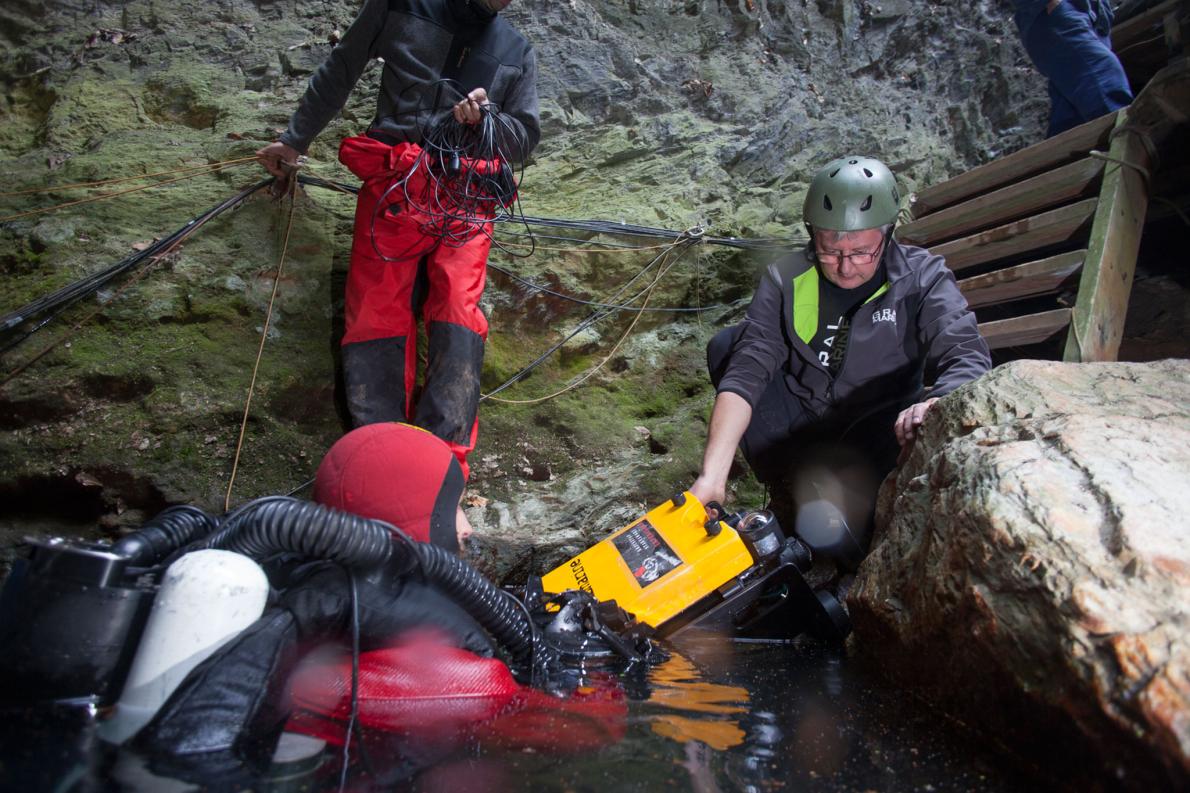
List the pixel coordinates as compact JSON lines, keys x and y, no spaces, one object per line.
{"x":1144,"y":26}
{"x":1053,"y":188}
{"x":1070,"y":145}
{"x":1149,"y":41}
{"x":1042,"y":277}
{"x":1029,"y":329}
{"x":1020,"y":236}
{"x":1106,"y":281}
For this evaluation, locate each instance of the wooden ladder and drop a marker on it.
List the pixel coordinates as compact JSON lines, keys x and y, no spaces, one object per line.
{"x":1066,"y":214}
{"x":1031,"y":224}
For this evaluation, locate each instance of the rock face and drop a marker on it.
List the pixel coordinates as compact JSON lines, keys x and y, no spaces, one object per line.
{"x":1032,"y":564}
{"x":665,"y":113}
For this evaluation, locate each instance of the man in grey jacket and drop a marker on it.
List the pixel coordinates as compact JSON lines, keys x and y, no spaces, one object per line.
{"x":400,"y":264}
{"x":834,"y":350}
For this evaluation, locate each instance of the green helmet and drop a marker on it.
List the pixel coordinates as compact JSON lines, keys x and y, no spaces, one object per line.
{"x":852,"y":194}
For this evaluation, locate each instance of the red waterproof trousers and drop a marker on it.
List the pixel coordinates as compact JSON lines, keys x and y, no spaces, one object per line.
{"x":398,"y":270}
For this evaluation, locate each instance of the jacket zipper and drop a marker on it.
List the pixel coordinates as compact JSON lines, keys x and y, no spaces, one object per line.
{"x":846,"y":352}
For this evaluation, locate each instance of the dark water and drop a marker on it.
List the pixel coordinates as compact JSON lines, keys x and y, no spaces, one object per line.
{"x":718,"y":716}
{"x":725,"y":716}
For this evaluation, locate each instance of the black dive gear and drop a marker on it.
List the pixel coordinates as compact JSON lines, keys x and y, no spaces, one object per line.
{"x":279,"y":524}
{"x":71,"y":614}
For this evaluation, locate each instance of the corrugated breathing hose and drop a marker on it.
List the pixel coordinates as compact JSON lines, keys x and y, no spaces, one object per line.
{"x":164,"y":534}
{"x":280,"y":524}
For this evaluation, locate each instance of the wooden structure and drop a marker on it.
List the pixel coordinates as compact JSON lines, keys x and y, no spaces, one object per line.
{"x":1045,"y":240}
{"x":1146,"y":41}
{"x":1038,"y":222}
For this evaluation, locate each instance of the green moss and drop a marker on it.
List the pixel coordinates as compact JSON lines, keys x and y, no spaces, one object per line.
{"x":87,"y":109}
{"x":192,"y":94}
{"x":190,"y":328}
{"x":23,"y":113}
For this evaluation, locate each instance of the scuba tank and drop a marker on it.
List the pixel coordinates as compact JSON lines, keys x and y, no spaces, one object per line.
{"x":72,"y":612}
{"x":206,"y":598}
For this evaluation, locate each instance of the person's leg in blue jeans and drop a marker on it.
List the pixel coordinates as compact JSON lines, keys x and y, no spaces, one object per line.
{"x":1071,"y":46}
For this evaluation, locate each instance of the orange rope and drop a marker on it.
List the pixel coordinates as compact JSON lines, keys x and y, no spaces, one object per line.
{"x":102,"y":196}
{"x":264,"y":334}
{"x":80,"y":185}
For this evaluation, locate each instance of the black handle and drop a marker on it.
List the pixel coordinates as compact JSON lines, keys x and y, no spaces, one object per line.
{"x":715,"y":513}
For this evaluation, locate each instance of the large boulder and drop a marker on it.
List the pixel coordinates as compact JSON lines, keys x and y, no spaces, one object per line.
{"x":1031,"y":566}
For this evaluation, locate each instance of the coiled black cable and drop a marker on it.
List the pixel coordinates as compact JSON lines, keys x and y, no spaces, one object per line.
{"x":164,"y":534}
{"x":464,"y":178}
{"x":279,"y":524}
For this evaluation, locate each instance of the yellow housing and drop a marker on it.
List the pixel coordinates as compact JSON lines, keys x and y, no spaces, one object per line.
{"x":658,"y":566}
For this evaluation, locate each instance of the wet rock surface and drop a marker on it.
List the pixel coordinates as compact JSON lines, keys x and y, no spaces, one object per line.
{"x":660,"y":112}
{"x":663,"y":112}
{"x":1032,"y":565}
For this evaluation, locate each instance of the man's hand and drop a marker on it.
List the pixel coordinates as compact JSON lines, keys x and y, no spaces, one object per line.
{"x":910,"y":419}
{"x":467,"y":111}
{"x":706,"y":491}
{"x":278,"y":159}
{"x":729,"y":419}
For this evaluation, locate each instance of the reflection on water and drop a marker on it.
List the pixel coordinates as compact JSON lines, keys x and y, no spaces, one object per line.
{"x":733,"y":716}
{"x":718,"y":716}
{"x":687,"y":706}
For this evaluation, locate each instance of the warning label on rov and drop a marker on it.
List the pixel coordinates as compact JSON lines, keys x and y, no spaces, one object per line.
{"x":646,"y":553}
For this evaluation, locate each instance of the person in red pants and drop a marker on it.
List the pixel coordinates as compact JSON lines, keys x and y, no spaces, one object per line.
{"x":400,"y":264}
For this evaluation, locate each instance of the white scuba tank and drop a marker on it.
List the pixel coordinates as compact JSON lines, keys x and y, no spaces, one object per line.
{"x":206,"y":598}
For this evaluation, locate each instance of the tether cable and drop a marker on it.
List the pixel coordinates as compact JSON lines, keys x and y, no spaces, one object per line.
{"x":596,"y":304}
{"x":608,"y":248}
{"x":691,"y":238}
{"x":583,"y":325}
{"x":264,"y":335}
{"x":61,"y":299}
{"x":615,"y":348}
{"x":608,"y":227}
{"x":155,"y":254}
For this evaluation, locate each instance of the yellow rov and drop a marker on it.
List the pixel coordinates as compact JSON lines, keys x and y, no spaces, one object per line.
{"x":673,"y":567}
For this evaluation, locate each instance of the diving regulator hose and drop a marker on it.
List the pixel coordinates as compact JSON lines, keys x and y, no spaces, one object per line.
{"x":278,"y":524}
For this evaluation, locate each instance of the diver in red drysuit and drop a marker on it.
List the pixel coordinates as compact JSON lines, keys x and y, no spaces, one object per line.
{"x":427,"y":670}
{"x":228,"y":713}
{"x":398,"y":267}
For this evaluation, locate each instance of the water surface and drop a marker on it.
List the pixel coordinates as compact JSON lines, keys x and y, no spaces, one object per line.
{"x":719,"y":715}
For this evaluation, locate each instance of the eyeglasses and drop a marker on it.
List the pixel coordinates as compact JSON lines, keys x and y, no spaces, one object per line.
{"x":858,"y":259}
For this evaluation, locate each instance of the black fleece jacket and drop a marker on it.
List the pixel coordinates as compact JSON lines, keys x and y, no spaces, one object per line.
{"x":420,"y":42}
{"x":918,"y":325}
